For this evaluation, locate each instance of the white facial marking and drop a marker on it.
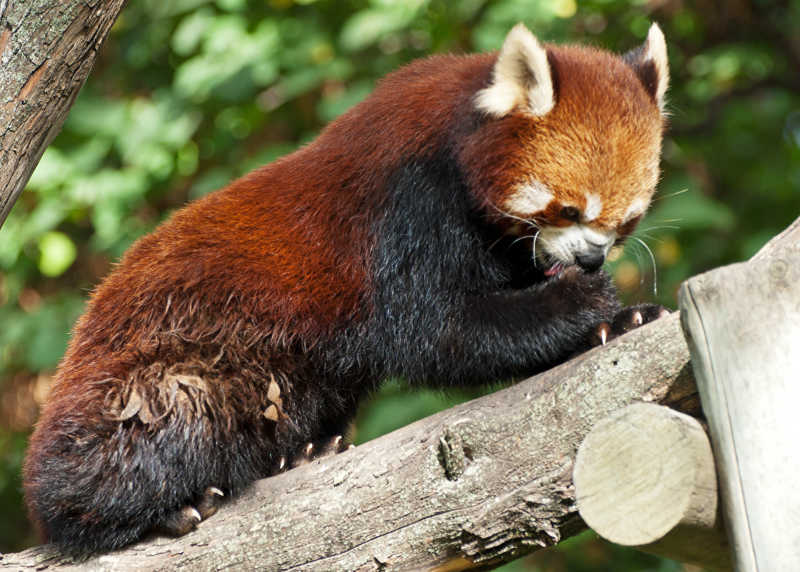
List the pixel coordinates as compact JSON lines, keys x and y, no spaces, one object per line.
{"x":565,"y":243}
{"x":636,"y":208}
{"x":594,"y":206}
{"x":596,"y":238}
{"x":529,"y":199}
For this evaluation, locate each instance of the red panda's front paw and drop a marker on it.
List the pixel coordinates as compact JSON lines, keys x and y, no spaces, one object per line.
{"x":625,"y":320}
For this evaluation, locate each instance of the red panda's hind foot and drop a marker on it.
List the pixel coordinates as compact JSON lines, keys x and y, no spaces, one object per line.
{"x":627,"y":319}
{"x":186,"y":519}
{"x":210,"y":502}
{"x":324,"y":448}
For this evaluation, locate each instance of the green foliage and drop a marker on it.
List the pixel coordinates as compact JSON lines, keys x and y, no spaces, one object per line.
{"x":188,"y":94}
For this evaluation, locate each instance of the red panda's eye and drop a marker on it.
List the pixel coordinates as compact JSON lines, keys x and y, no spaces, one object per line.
{"x":570,"y":213}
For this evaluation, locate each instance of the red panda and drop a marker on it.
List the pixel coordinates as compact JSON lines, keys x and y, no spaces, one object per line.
{"x":448,"y":230}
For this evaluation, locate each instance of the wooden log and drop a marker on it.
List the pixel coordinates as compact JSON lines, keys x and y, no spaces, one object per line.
{"x":742,"y":323}
{"x":644,"y":476}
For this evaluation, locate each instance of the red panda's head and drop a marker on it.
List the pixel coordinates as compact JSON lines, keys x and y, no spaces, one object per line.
{"x":570,"y":145}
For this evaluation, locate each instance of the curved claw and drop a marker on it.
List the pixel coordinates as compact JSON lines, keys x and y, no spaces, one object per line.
{"x":626,"y":320}
{"x":209,"y":503}
{"x":310,"y":452}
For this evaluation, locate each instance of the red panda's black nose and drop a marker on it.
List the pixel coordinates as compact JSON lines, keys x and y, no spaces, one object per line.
{"x":591,"y":261}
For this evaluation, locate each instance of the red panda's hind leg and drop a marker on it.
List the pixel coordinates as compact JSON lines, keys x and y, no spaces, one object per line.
{"x":187,"y":518}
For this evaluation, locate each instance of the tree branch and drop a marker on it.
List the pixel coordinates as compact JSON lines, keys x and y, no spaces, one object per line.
{"x":481,"y":483}
{"x":46,"y":52}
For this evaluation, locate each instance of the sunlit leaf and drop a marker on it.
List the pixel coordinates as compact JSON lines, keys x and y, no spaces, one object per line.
{"x":57,"y":252}
{"x":191,"y":31}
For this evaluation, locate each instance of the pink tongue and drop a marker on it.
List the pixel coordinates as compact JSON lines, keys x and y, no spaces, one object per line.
{"x":554,"y":269}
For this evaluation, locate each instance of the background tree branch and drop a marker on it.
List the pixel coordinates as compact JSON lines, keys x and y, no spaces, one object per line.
{"x":46,"y":52}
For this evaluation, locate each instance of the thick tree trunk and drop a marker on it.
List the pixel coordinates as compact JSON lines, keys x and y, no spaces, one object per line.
{"x":743,"y":327}
{"x":47,"y":49}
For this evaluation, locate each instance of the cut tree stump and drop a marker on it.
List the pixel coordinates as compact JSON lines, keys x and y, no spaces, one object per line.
{"x":644,"y":477}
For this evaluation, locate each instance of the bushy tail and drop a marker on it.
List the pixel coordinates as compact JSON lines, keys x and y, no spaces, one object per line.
{"x":89,"y":491}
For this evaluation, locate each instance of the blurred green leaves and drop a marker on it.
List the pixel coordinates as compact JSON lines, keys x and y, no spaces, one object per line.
{"x":226,"y":50}
{"x":381,"y":18}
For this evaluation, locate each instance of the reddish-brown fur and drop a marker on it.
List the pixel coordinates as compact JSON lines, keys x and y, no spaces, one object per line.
{"x":279,"y":257}
{"x":233,"y":291}
{"x":561,"y":148}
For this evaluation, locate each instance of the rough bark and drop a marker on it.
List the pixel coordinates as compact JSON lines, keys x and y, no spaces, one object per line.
{"x":47,"y":49}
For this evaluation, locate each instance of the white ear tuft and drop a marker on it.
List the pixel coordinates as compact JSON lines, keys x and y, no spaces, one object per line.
{"x":656,"y":50}
{"x":521,"y":77}
{"x":649,"y":61}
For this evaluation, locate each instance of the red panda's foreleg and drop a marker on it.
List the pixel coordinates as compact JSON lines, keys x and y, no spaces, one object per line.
{"x":446,"y":312}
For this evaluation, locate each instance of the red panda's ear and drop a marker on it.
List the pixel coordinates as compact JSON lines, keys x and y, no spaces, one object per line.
{"x":521,"y":77}
{"x":649,"y":61}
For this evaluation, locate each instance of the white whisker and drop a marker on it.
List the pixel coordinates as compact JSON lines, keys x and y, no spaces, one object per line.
{"x":653,"y":260}
{"x":491,"y":246}
{"x":650,"y":237}
{"x":637,"y":253}
{"x":676,"y":193}
{"x":658,"y":227}
{"x":516,"y":240}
